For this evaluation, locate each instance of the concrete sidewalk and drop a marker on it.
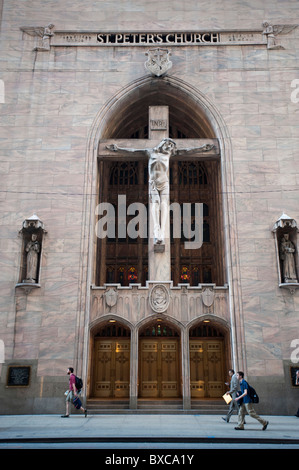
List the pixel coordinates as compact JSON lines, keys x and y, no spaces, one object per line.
{"x":128,"y":428}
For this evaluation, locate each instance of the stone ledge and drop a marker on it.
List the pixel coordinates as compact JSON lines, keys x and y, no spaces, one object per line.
{"x":27,"y":286}
{"x":171,"y":286}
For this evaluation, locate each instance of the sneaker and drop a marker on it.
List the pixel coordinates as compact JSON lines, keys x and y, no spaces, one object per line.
{"x":239,"y":429}
{"x":225,"y":419}
{"x":65,"y":416}
{"x":265,"y":426}
{"x":85,"y":412}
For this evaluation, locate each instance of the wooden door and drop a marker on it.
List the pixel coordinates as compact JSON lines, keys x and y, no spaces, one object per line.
{"x":206,"y":368}
{"x":159,"y":368}
{"x":112,"y":368}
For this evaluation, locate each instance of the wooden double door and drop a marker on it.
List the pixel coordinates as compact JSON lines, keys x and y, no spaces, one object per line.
{"x":159,"y":368}
{"x":111,"y":368}
{"x":206,"y":368}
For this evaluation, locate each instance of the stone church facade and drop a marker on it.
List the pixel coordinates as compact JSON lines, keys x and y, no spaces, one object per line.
{"x":88,"y":96}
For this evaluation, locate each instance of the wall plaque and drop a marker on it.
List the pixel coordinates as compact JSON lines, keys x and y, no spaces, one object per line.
{"x":192,"y":38}
{"x":18,"y":376}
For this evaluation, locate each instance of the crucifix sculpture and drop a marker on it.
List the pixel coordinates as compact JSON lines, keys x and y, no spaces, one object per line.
{"x":158,"y":150}
{"x":158,"y":169}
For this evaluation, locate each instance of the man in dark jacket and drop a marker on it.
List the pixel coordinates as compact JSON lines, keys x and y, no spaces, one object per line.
{"x":246,"y":405}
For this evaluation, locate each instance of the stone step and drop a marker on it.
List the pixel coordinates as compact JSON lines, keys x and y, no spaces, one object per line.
{"x":146,"y":406}
{"x":160,"y":404}
{"x":97,"y":404}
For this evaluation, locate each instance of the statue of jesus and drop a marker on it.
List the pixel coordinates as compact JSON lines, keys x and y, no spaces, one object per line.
{"x":158,"y":166}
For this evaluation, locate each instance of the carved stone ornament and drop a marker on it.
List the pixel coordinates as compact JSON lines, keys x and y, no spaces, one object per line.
{"x":158,"y":62}
{"x":271,"y":31}
{"x":159,"y":298}
{"x":43,"y":33}
{"x":33,"y":223}
{"x":208,"y":296}
{"x":111,"y":297}
{"x":284,"y":221}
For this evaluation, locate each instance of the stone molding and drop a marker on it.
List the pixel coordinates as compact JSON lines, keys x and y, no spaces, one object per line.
{"x":266,"y":35}
{"x":134,"y":302}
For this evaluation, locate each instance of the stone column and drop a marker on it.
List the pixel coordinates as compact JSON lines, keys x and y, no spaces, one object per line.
{"x":186,"y":370}
{"x":134,"y":369}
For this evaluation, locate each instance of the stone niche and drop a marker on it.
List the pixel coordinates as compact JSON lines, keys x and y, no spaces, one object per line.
{"x":285,"y":233}
{"x":32,"y":233}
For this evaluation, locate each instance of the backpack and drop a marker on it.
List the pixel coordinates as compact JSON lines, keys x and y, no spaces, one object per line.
{"x":78,"y":383}
{"x":253,"y":395}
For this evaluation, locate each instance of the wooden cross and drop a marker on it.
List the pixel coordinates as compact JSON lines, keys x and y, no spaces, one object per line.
{"x":159,"y":257}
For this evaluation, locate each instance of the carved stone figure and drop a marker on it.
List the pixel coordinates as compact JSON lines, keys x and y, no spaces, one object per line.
{"x":158,"y":166}
{"x":271,"y":31}
{"x":287,"y":256}
{"x":46,"y":33}
{"x":159,"y":298}
{"x":32,"y":249}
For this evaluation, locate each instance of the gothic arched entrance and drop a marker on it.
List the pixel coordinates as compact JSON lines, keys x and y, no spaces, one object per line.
{"x":207,"y":355}
{"x":159,"y":360}
{"x":110,"y":367}
{"x":123,"y":259}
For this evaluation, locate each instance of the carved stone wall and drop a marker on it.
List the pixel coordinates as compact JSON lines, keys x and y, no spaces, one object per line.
{"x":64,"y":93}
{"x":182,"y":303}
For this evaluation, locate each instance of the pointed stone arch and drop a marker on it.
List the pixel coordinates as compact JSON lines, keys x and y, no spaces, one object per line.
{"x":160,"y":365}
{"x":108,"y":123}
{"x":209,"y":355}
{"x":110,"y":357}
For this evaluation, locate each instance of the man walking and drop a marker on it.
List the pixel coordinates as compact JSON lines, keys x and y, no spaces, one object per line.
{"x":247,"y":405}
{"x":72,"y":392}
{"x":234,"y":388}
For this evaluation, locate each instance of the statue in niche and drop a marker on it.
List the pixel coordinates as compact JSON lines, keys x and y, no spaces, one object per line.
{"x":32,"y":249}
{"x":158,"y":166}
{"x":287,"y":256}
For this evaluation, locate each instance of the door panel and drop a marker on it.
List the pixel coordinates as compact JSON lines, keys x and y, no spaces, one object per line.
{"x":112,"y":368}
{"x":159,"y":368}
{"x":206,"y":368}
{"x":197,"y":369}
{"x":149,"y":369}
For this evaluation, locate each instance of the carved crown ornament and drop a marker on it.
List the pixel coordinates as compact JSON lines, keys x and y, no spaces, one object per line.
{"x":266,"y":34}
